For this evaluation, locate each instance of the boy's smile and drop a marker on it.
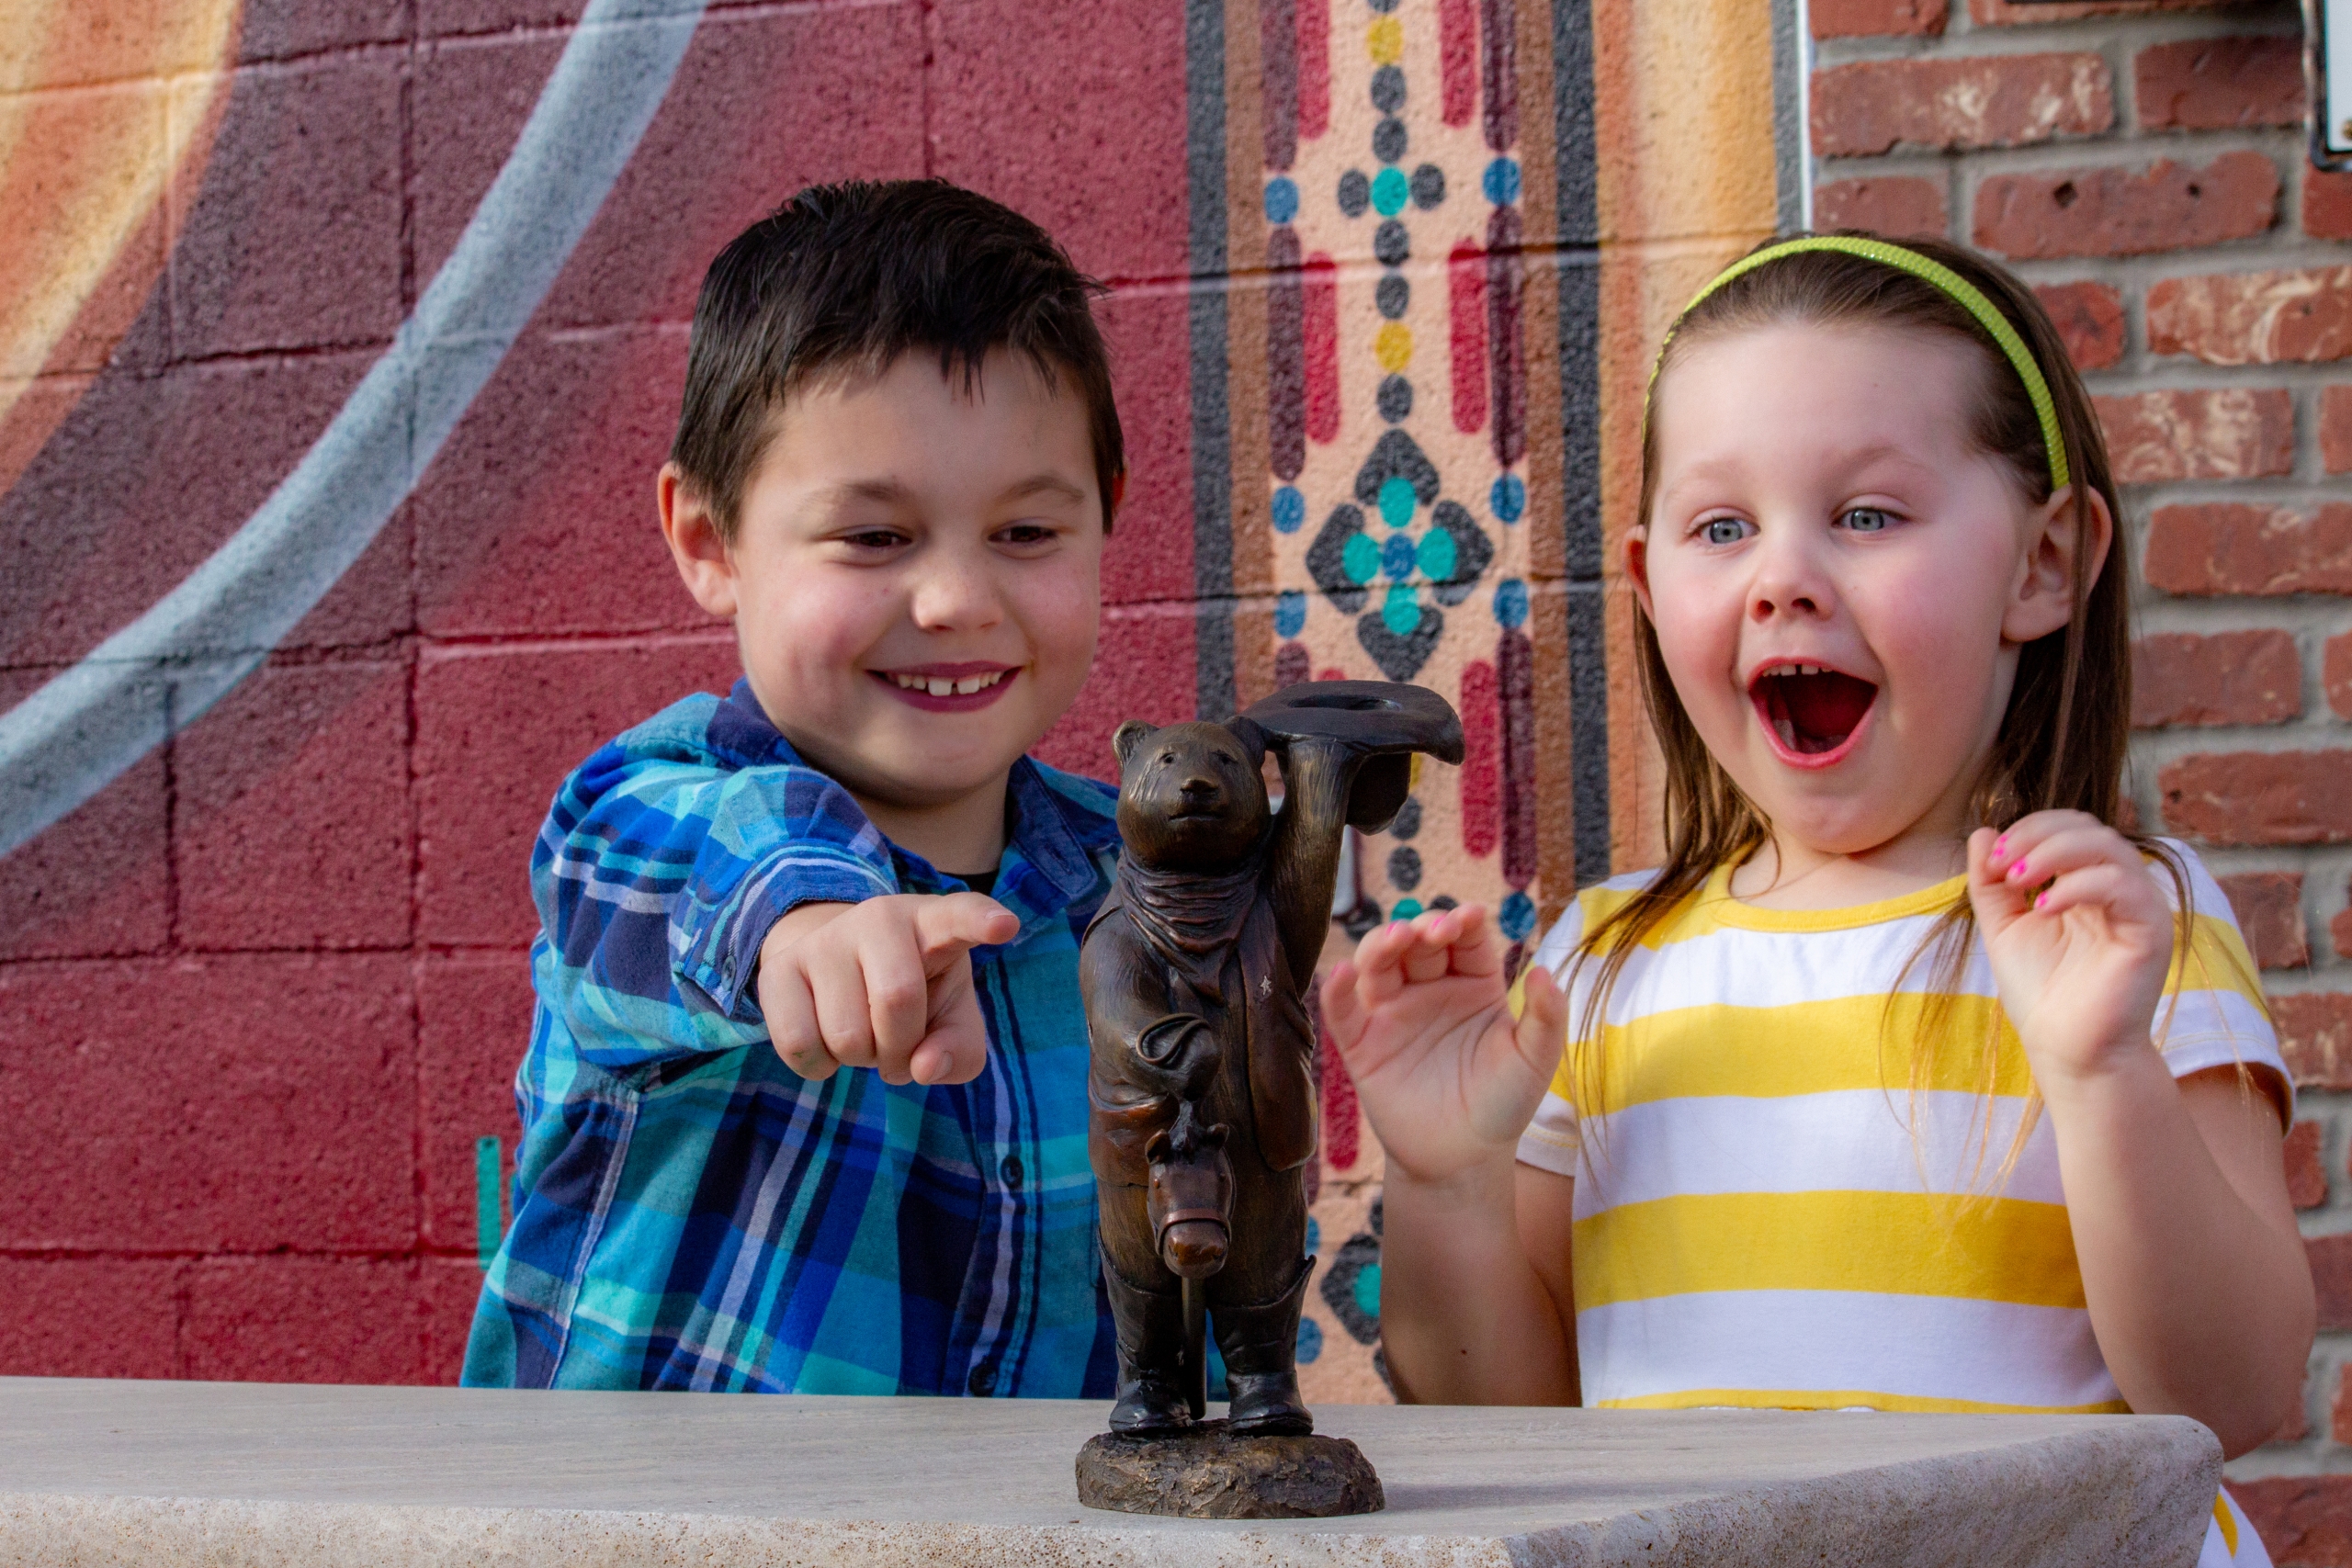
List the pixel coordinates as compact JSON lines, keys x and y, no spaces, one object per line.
{"x":915,"y":580}
{"x":1841,"y":579}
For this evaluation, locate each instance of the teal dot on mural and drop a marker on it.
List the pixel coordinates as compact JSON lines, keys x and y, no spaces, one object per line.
{"x":1517,"y":917}
{"x":1401,"y":609}
{"x":1282,"y":200}
{"x":1368,"y":1291}
{"x":1360,"y":559}
{"x":1406,"y":909}
{"x":1313,"y":1236}
{"x":1396,"y":500}
{"x":1437,"y":556}
{"x":1390,"y":191}
{"x":1290,"y":509}
{"x":1501,"y":181}
{"x":1290,"y":611}
{"x":1310,"y":1341}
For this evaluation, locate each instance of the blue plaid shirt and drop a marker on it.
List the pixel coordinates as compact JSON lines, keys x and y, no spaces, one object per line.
{"x":691,"y":1214}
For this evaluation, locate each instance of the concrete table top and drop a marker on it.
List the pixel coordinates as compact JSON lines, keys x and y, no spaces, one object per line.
{"x":276,"y":1476}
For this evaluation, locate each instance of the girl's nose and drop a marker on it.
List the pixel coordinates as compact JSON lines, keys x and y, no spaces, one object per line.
{"x":1788,"y":580}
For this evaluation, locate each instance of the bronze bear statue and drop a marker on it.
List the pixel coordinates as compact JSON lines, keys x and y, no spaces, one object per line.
{"x":1201,"y":1085}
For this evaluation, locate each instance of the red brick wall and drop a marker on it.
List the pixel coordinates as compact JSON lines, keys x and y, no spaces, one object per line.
{"x":2143,"y":165}
{"x":259,"y":997}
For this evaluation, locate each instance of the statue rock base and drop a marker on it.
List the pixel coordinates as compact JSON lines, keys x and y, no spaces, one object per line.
{"x":1209,"y":1474}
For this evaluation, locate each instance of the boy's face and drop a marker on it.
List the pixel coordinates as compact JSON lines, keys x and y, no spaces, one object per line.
{"x":915,"y":575}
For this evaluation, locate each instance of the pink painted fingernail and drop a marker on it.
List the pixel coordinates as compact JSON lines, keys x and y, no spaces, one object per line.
{"x":2000,"y":844}
{"x":2041,"y":900}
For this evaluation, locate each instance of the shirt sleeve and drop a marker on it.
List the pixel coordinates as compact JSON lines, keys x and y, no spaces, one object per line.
{"x":2213,"y":1014}
{"x":1552,"y":1140}
{"x":658,"y":880}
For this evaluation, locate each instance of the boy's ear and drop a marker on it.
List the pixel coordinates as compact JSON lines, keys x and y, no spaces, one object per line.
{"x":1126,"y":737}
{"x":695,"y":544}
{"x":1247,"y":730}
{"x":2043,"y":600}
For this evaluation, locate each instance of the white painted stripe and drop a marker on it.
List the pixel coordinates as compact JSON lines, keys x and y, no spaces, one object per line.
{"x":1846,"y":1140}
{"x":72,"y":737}
{"x":1922,"y":1347}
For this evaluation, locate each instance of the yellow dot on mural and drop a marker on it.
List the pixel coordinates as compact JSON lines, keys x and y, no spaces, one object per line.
{"x":1394,"y":346}
{"x":1385,"y":40}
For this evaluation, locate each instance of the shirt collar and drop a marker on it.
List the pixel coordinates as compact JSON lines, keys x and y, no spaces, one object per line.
{"x":1058,"y":835}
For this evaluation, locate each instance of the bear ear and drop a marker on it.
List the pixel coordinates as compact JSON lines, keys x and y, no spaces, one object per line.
{"x":1247,"y":730}
{"x":1127,"y":736}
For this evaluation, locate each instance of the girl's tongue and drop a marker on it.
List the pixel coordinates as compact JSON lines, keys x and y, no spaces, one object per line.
{"x":1812,"y":713}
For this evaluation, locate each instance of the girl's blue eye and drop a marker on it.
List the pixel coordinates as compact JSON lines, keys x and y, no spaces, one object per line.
{"x":1722,"y":530}
{"x":1866,"y":519}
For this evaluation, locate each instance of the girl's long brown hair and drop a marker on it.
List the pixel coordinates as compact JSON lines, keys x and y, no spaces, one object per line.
{"x":2064,"y":739}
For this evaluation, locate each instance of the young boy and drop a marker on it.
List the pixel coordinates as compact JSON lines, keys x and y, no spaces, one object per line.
{"x":895,"y":466}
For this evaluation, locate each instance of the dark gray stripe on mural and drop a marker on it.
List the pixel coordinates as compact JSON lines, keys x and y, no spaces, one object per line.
{"x":1579,"y":273}
{"x":1212,"y":416}
{"x":75,"y":735}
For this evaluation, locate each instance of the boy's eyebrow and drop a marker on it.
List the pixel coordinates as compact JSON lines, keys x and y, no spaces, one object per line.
{"x":1043,"y":484}
{"x":889,"y":493}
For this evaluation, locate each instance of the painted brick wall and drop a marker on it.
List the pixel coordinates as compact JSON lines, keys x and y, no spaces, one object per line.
{"x":2143,"y":165}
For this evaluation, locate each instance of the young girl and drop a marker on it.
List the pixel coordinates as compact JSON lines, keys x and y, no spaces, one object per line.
{"x":1912,"y":1079}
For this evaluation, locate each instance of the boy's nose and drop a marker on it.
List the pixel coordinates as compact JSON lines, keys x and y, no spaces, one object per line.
{"x":957,"y":596}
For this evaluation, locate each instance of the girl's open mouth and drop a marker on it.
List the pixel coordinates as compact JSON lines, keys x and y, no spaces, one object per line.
{"x":1811,"y":711}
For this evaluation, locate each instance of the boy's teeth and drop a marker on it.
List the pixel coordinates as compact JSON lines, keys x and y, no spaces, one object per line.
{"x":940,"y":686}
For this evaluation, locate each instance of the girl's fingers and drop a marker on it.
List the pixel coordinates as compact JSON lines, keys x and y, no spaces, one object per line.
{"x":1431,"y":954}
{"x":1342,"y":1013}
{"x":1543,"y":1030}
{"x":2021,"y":838}
{"x":1474,"y":951}
{"x":2118,"y":891}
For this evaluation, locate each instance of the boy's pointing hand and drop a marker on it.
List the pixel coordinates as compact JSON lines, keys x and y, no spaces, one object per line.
{"x":886,"y":983}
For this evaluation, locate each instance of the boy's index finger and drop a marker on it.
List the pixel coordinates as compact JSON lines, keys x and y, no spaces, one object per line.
{"x":948,"y":925}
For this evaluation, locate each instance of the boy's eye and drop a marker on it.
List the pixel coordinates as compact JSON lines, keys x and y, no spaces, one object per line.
{"x":1725,"y":530}
{"x":874,"y":539}
{"x":1865,"y":520}
{"x":1025,"y":534}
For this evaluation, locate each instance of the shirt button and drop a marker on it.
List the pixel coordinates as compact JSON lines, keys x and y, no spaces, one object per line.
{"x":1011,"y":1170}
{"x":983,"y":1381}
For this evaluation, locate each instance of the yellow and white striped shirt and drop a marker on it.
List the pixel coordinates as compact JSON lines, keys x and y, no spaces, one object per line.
{"x":1767,"y":1215}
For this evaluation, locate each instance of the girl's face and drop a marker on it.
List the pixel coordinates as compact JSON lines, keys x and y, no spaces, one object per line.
{"x":1840,"y":582}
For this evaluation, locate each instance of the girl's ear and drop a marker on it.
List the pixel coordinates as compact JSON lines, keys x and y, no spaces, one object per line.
{"x":2062,"y":540}
{"x":1637,"y":565}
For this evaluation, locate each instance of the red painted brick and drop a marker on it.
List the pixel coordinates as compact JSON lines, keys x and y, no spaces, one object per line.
{"x":2335,"y":674}
{"x":98,"y":882}
{"x":2298,"y":1425}
{"x":2269,"y":910}
{"x":293,"y":812}
{"x":1144,"y":665}
{"x":2336,"y":428}
{"x":1073,"y":159}
{"x":437,"y":18}
{"x":473,"y":1024}
{"x":2117,"y":211}
{"x":154,"y":473}
{"x":239,"y":1102}
{"x":1895,"y":205}
{"x":449,"y":1288}
{"x":2219,"y":84}
{"x":2315,"y":1037}
{"x":2253,"y":318}
{"x":2090,"y":318}
{"x":2327,"y":205}
{"x":2233,"y":548}
{"x":347,"y":1320}
{"x":2260,"y":797}
{"x":848,"y":80}
{"x":2306,"y":1176}
{"x":2339,"y":1409}
{"x":1963,"y":101}
{"x":89,"y":1317}
{"x":496,"y":731}
{"x":293,"y":239}
{"x":562,"y":449}
{"x":1149,"y":557}
{"x":2305,"y":1521}
{"x":1877,"y":19}
{"x":2232,"y":433}
{"x":2249,"y":677}
{"x":2029,"y":13}
{"x":2339,"y":932}
{"x":280,"y":29}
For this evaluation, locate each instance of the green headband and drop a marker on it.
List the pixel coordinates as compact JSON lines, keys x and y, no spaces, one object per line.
{"x":1970,"y":297}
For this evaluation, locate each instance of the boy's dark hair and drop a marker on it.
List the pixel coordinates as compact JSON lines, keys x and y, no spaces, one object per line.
{"x":850,"y":276}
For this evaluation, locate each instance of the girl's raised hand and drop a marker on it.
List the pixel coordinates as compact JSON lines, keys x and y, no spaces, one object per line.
{"x":1447,"y":1076}
{"x":2079,"y":934}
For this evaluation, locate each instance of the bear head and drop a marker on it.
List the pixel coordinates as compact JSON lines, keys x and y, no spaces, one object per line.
{"x":1191,"y":795}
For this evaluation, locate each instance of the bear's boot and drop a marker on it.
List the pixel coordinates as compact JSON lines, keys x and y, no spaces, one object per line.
{"x":1151,"y":1357}
{"x":1260,"y":1346}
